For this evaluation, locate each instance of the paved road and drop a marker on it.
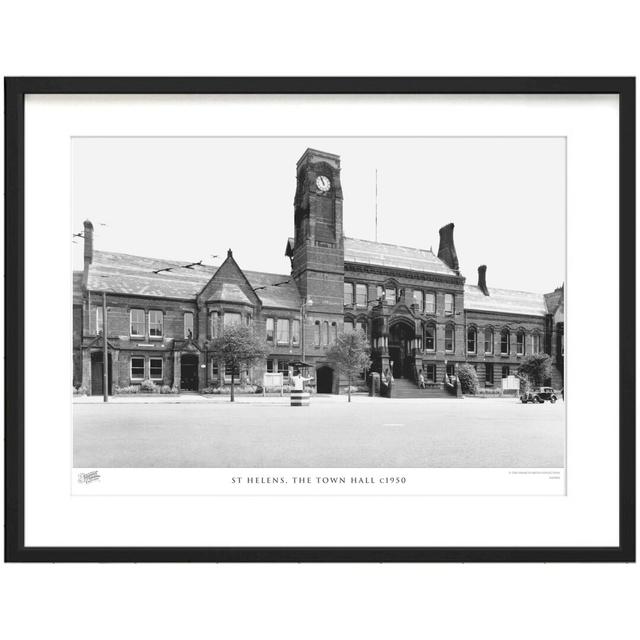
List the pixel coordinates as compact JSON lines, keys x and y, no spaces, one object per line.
{"x":370,"y":432}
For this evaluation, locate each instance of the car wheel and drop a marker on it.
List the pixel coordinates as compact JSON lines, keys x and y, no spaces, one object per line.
{"x":523,"y":400}
{"x":552,"y":399}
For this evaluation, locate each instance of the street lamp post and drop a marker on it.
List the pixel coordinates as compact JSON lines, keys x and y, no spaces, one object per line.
{"x":105,"y":353}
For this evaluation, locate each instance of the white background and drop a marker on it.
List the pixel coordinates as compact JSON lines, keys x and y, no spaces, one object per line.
{"x":587,"y":516}
{"x":489,"y":38}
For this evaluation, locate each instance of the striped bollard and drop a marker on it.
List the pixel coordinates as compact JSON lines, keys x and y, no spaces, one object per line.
{"x":300,"y":398}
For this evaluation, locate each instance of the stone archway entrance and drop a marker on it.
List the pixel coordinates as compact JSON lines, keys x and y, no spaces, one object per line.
{"x":400,"y":336}
{"x":189,"y":372}
{"x":324,"y":380}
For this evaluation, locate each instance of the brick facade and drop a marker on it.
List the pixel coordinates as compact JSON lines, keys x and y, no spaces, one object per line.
{"x":417,"y":310}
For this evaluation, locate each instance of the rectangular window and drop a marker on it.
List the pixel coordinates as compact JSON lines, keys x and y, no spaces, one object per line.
{"x":429,"y":302}
{"x":137,"y":368}
{"x":188,"y":325}
{"x":451,"y":370}
{"x":448,"y":304}
{"x":417,"y":299}
{"x":270,"y":329}
{"x":155,"y":368}
{"x":214,"y":370}
{"x":325,"y":333}
{"x":270,"y":365}
{"x":295,"y":331}
{"x":363,"y":327}
{"x":99,"y":323}
{"x":379,"y":292}
{"x":283,"y":366}
{"x":348,"y":294}
{"x":361,"y":295}
{"x":431,"y":373}
{"x":520,"y":343}
{"x":282,"y":327}
{"x":505,"y":371}
{"x":213,"y":324}
{"x":155,"y":324}
{"x":390,"y":295}
{"x":137,"y":323}
{"x":348,"y":326}
{"x":316,"y":333}
{"x":334,"y":332}
{"x":488,"y":376}
{"x":430,"y":338}
{"x":232,"y":319}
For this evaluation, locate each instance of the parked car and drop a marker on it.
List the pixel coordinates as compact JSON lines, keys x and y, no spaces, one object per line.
{"x":539,"y":395}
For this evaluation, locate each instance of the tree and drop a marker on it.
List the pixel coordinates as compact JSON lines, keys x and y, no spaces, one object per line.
{"x":349,"y":355}
{"x":235,"y":346}
{"x":468,"y":377}
{"x":536,"y":368}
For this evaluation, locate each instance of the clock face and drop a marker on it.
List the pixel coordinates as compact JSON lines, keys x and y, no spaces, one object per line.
{"x":323,"y":183}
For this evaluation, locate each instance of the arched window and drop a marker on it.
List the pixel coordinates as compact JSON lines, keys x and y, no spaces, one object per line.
{"x":430,"y":337}
{"x":325,"y":333}
{"x":520,"y":343}
{"x":348,"y":326}
{"x":449,"y":339}
{"x":334,"y":332}
{"x":488,"y":341}
{"x":505,"y":339}
{"x":472,"y":340}
{"x":316,"y":333}
{"x":535,"y":343}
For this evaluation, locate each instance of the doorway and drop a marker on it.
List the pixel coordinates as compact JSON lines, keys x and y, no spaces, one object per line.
{"x":97,"y":374}
{"x":189,"y":372}
{"x":324,"y":380}
{"x":400,"y":336}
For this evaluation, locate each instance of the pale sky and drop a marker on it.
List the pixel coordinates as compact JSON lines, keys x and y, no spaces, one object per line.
{"x":193,"y":198}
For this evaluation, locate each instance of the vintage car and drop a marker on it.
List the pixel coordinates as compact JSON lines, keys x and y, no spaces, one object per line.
{"x":539,"y":395}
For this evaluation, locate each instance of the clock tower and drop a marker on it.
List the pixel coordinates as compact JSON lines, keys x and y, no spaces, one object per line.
{"x":317,"y":255}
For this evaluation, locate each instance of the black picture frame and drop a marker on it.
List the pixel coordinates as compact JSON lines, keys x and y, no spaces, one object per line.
{"x":15,"y":91}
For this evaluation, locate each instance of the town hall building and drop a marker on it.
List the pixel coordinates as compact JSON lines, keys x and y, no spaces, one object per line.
{"x":415,"y":306}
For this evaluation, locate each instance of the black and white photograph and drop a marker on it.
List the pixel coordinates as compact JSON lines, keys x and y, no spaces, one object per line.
{"x":336,"y":302}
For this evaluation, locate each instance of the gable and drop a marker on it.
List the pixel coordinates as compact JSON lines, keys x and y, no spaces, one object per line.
{"x":229,"y":284}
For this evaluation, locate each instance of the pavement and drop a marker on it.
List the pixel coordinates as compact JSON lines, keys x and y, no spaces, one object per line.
{"x":210,"y":431}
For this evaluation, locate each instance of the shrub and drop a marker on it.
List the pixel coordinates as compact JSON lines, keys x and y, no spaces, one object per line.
{"x":468,"y":378}
{"x":148,"y":386}
{"x":126,"y":390}
{"x":80,"y":391}
{"x":165,"y":388}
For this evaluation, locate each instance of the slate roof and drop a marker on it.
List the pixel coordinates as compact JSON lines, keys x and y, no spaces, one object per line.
{"x":133,"y":275}
{"x":394,"y":256}
{"x":504,"y":301}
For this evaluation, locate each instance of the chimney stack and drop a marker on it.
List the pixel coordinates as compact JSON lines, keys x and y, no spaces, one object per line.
{"x":88,"y":242}
{"x":482,"y":279}
{"x":447,"y":250}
